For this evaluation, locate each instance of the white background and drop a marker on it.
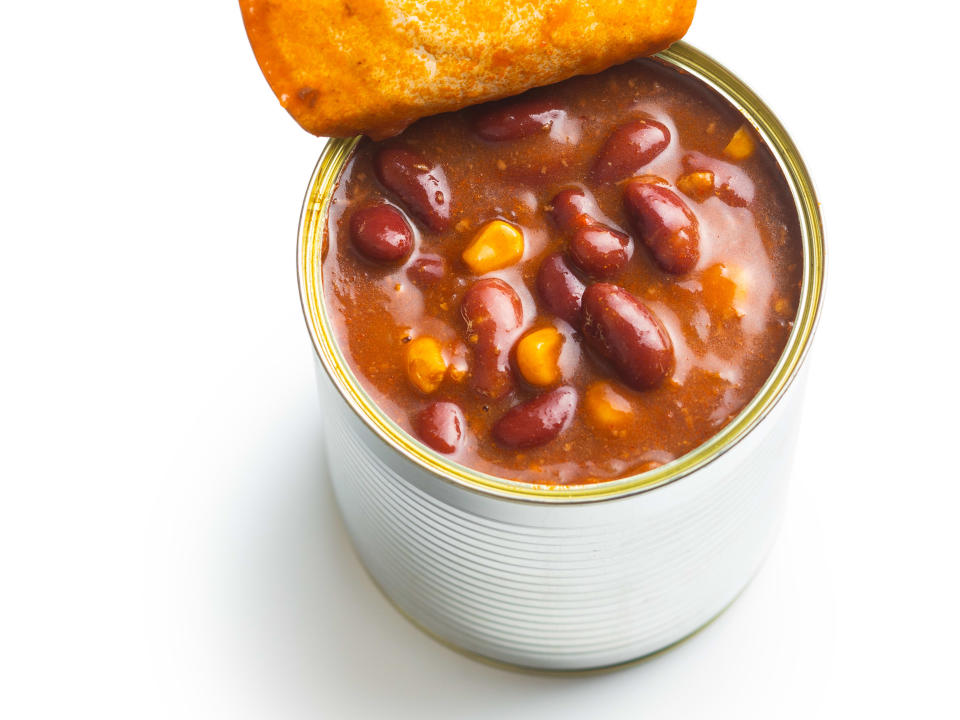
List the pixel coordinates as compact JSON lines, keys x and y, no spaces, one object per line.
{"x":168,"y":543}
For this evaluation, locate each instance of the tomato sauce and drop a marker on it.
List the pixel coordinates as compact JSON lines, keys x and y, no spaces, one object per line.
{"x":574,"y":285}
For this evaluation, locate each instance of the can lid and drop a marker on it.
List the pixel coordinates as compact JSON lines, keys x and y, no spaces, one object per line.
{"x":348,"y":67}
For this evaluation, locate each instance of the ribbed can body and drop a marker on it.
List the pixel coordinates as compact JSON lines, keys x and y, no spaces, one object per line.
{"x":560,"y":587}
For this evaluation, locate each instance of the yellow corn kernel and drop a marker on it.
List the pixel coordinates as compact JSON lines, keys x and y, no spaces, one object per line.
{"x":607,"y":409}
{"x":425,"y":364}
{"x":740,"y":146}
{"x":538,"y":354}
{"x":698,"y":185}
{"x":497,"y":245}
{"x":725,"y":289}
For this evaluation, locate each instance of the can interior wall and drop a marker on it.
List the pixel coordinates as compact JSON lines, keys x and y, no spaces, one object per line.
{"x":573,"y":577}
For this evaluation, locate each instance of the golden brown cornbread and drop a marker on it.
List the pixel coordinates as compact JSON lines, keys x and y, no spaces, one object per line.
{"x":343,"y":67}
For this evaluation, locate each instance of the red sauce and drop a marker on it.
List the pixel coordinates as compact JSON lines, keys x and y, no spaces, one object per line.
{"x":642,"y":229}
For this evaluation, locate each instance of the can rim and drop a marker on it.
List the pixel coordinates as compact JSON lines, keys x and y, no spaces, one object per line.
{"x":686,"y":58}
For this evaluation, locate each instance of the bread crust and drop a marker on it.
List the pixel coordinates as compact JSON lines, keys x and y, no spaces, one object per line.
{"x":345,"y":67}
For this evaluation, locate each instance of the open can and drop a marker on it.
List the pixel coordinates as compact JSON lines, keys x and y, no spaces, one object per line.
{"x":565,"y":577}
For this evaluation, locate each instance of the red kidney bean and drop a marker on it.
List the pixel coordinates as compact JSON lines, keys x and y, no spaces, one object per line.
{"x":629,"y":148}
{"x":422,"y":186}
{"x":625,"y":332}
{"x":666,"y":225}
{"x":493,"y":313}
{"x":573,"y":208}
{"x":380,"y":233}
{"x":441,"y":425}
{"x":600,"y":251}
{"x":731,"y":184}
{"x":537,"y":421}
{"x":560,"y":289}
{"x":427,"y":270}
{"x":515,"y":119}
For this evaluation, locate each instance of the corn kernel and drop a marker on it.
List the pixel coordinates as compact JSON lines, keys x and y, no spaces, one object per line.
{"x":425,"y":364}
{"x":497,"y":245}
{"x":607,"y":409}
{"x":740,"y":146}
{"x":725,"y":289}
{"x":698,"y":185}
{"x":538,"y":354}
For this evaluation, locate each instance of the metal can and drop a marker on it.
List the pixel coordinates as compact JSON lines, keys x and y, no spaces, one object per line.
{"x":571,"y":577}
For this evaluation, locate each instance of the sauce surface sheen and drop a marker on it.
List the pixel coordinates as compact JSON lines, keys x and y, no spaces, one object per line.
{"x":727,"y":308}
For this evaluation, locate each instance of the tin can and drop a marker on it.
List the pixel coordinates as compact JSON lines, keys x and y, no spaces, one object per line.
{"x":572,"y":577}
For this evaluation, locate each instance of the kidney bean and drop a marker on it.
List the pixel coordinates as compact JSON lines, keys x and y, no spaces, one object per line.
{"x":600,"y":251}
{"x":625,"y":332}
{"x":515,"y":119}
{"x":559,"y":289}
{"x":731,"y":184}
{"x":573,"y":208}
{"x":422,"y":186}
{"x":427,"y":270}
{"x":493,"y":313}
{"x":380,"y":233}
{"x":666,"y":225}
{"x":629,"y":148}
{"x":441,"y":425}
{"x":537,"y":421}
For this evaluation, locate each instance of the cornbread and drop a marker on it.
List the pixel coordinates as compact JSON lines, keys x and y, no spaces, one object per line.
{"x":345,"y":67}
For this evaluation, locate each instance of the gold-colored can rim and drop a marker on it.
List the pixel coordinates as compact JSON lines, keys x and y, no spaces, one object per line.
{"x":309,"y":257}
